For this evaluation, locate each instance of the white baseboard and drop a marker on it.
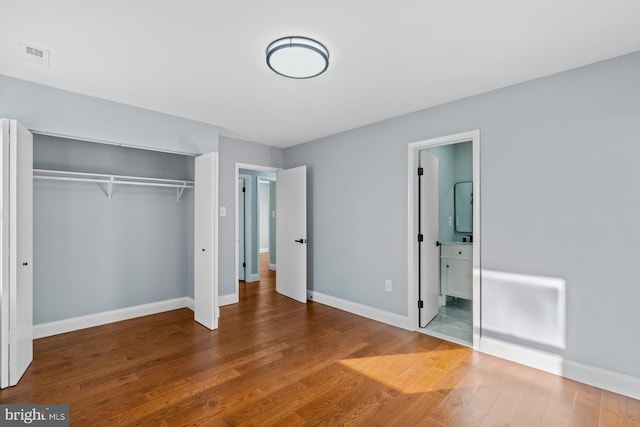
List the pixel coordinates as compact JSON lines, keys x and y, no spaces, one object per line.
{"x":361,"y":310}
{"x":190,"y":303}
{"x":75,"y":323}
{"x":601,"y":378}
{"x":227,"y":299}
{"x":272,"y":267}
{"x":263,"y":250}
{"x":525,"y":356}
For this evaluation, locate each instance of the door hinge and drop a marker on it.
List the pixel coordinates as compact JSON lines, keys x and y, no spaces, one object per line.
{"x":244,"y":265}
{"x":244,"y":189}
{"x":420,"y":304}
{"x":420,"y":237}
{"x":420,"y":171}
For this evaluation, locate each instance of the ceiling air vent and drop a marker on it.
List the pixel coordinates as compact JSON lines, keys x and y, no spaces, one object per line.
{"x":36,"y":54}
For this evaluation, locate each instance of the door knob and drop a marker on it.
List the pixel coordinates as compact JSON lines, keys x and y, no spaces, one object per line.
{"x":301,"y":241}
{"x":25,"y":263}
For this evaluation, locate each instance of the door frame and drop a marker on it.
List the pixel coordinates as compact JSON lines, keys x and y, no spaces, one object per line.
{"x":412,"y":225}
{"x":237,"y":174}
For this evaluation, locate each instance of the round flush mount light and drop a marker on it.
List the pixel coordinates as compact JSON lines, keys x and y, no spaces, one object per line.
{"x":297,"y":57}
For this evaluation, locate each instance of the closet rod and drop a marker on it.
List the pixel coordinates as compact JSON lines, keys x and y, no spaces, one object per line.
{"x":110,"y":179}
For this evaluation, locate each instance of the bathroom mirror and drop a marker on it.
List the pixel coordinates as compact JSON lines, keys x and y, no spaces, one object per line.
{"x":463,"y":206}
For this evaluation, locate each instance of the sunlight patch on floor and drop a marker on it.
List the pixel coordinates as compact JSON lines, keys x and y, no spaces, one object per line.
{"x":408,"y":373}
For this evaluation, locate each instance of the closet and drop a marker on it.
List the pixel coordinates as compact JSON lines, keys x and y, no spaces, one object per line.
{"x":119,"y":232}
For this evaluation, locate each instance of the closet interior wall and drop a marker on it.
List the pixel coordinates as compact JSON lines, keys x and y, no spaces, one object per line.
{"x":93,"y":254}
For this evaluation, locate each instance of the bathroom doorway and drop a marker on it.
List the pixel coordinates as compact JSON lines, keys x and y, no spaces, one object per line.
{"x":445,"y":259}
{"x":448,"y":197}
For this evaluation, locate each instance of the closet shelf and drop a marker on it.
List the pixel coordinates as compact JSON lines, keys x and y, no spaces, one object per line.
{"x":111,"y":180}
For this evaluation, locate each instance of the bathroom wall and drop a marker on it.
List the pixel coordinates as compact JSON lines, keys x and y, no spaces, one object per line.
{"x":455,"y":164}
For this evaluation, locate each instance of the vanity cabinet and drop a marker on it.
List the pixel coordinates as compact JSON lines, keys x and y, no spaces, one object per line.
{"x":456,"y":270}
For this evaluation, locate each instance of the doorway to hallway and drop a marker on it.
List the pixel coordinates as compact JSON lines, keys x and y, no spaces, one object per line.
{"x":256,"y":199}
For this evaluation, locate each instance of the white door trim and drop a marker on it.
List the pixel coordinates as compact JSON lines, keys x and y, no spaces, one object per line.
{"x":412,"y":227}
{"x":239,"y":166}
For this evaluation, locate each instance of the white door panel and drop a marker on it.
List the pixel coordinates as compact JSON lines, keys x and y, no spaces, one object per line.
{"x":16,"y":338}
{"x":241,"y":230}
{"x":205,"y":298}
{"x":4,"y":248}
{"x":291,"y":233}
{"x":429,"y":252}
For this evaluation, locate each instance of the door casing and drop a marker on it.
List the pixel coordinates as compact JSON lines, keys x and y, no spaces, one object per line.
{"x":412,"y":225}
{"x":238,"y":166}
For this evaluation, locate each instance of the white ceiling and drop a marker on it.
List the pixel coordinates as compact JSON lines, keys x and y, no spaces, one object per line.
{"x":204,"y":59}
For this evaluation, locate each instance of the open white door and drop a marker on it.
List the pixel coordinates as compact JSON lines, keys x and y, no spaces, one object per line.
{"x":16,"y":340}
{"x":242,"y":264}
{"x":291,"y":233}
{"x":429,"y":251}
{"x":205,"y":295}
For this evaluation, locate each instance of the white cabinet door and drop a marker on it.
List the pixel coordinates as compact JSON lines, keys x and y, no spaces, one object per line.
{"x":205,"y":297}
{"x":458,"y":277}
{"x":291,"y":233}
{"x":16,"y":338}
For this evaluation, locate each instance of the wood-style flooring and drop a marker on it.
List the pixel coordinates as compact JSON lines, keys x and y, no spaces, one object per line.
{"x":274,"y":361}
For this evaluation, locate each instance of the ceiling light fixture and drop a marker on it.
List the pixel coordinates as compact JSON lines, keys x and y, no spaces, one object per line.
{"x":297,"y":57}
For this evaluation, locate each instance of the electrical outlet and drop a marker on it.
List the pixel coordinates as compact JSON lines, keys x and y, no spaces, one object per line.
{"x":388,"y":285}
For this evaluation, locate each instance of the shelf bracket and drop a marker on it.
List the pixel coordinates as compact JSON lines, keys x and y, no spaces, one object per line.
{"x":109,"y":191}
{"x":110,"y":188}
{"x":179,"y":192}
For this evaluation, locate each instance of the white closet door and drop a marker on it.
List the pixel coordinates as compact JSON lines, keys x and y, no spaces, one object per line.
{"x":16,"y":351}
{"x":21,"y":241}
{"x":4,"y":249}
{"x":206,"y":244}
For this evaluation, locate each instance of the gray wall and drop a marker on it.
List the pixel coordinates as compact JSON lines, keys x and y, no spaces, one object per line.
{"x":234,"y":151}
{"x":559,"y":156}
{"x":92,"y":254}
{"x":45,"y":109}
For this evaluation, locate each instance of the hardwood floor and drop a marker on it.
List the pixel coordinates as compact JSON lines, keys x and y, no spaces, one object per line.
{"x":274,"y":361}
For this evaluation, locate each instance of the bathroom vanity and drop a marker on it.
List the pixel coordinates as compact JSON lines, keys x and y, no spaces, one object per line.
{"x":456,"y":270}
